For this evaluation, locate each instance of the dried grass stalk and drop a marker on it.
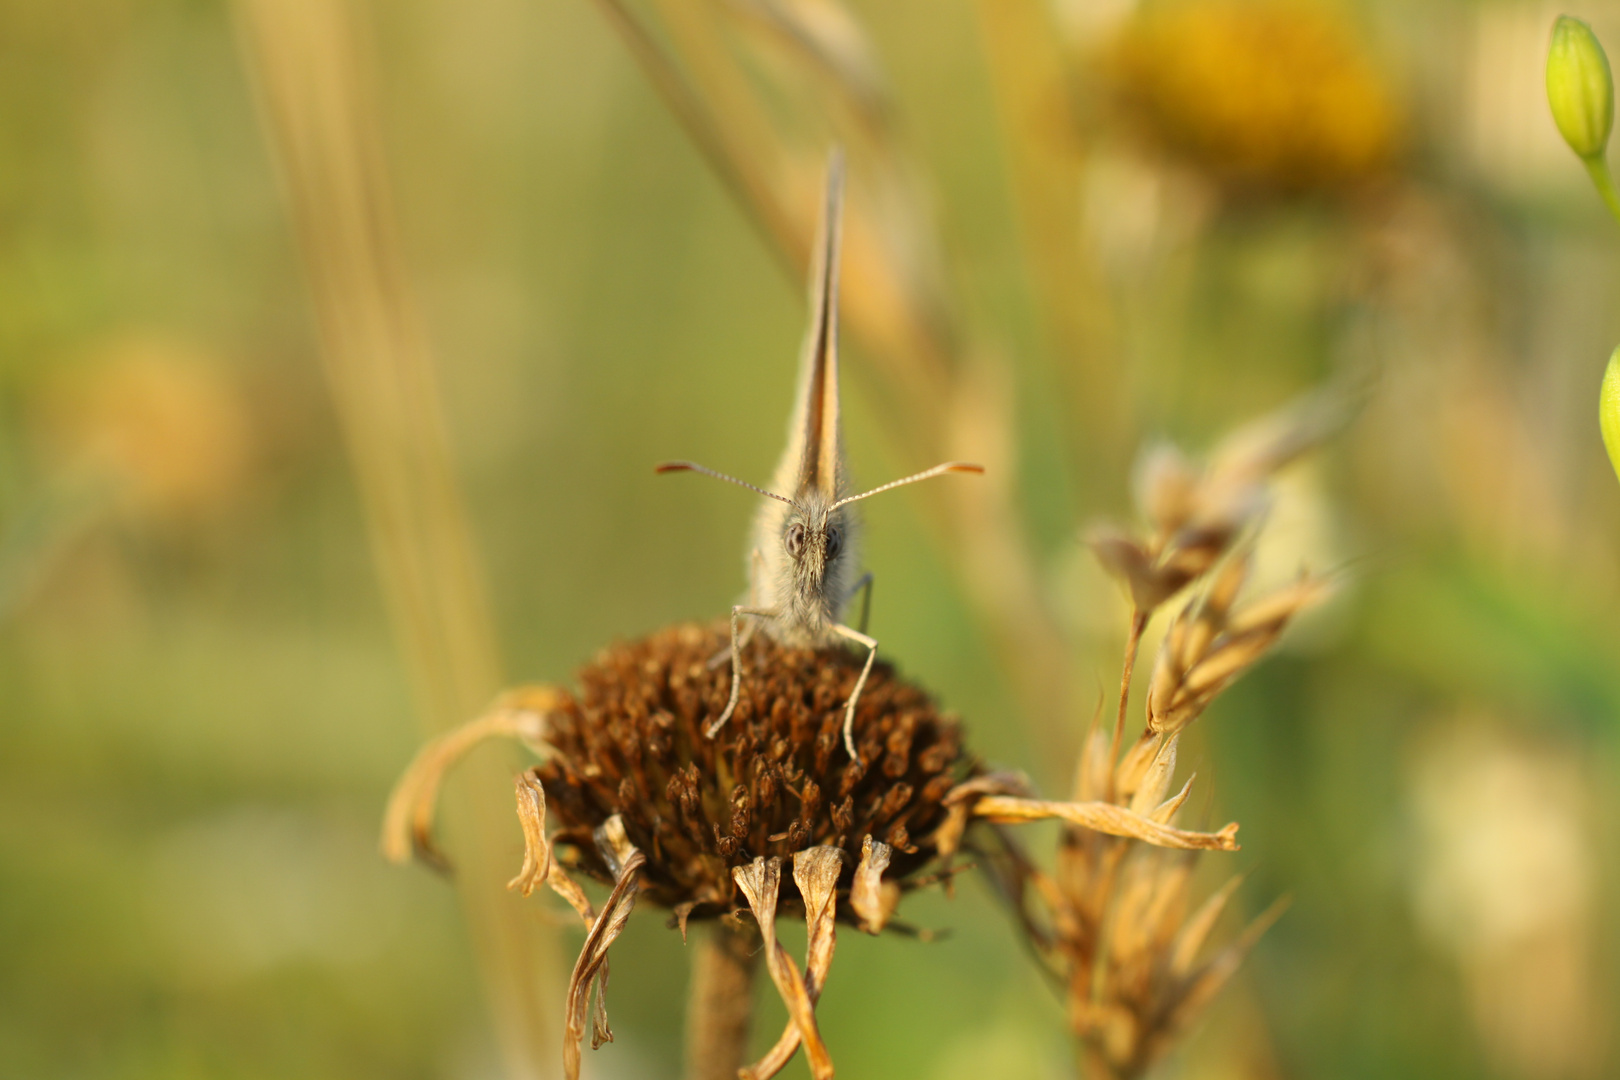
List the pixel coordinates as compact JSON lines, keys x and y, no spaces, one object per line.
{"x":1111,"y":923}
{"x":315,"y":91}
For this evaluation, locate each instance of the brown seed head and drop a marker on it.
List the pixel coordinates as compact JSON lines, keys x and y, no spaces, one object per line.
{"x":775,"y":781}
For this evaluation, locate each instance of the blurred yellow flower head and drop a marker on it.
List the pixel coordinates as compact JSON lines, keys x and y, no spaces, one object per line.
{"x":1264,"y":94}
{"x":159,"y":421}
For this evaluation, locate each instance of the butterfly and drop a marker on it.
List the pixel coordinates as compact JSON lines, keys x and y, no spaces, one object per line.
{"x":803,"y":558}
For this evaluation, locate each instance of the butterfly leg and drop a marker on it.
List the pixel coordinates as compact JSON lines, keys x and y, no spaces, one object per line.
{"x":756,"y":562}
{"x":737,"y":612}
{"x":864,"y":587}
{"x":859,"y":638}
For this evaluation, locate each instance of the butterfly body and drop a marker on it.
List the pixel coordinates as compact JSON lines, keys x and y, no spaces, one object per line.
{"x":805,"y":572}
{"x":803,"y":558}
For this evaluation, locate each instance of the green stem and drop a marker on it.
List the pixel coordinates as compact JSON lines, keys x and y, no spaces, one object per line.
{"x":1603,"y":180}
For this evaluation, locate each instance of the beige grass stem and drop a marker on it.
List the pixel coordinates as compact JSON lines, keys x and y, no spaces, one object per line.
{"x":315,"y":89}
{"x":1045,"y":151}
{"x":1133,"y":643}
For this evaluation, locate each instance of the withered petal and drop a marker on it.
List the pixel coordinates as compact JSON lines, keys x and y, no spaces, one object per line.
{"x":531,"y":811}
{"x":761,"y":882}
{"x":871,"y":900}
{"x":815,"y":871}
{"x":592,"y":961}
{"x":408,"y":820}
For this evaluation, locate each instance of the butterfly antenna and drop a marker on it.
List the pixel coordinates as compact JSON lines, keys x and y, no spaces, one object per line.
{"x":692,"y":466}
{"x":926,"y":474}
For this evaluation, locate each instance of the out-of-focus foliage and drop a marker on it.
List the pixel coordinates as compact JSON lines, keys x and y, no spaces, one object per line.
{"x":201,"y":704}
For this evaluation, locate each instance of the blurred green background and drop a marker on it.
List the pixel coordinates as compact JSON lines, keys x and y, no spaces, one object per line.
{"x":202,"y":706}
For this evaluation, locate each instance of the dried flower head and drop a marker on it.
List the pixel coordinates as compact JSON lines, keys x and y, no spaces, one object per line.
{"x":633,"y":793}
{"x":774,"y":782}
{"x":643,"y":801}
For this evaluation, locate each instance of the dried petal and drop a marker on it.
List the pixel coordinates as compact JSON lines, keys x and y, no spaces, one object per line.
{"x":593,"y":959}
{"x":872,"y":901}
{"x":683,"y":912}
{"x":408,"y":821}
{"x":996,"y":783}
{"x":614,"y":845}
{"x":531,"y":811}
{"x":565,"y":887}
{"x":815,"y":871}
{"x":948,"y":837}
{"x":761,"y":881}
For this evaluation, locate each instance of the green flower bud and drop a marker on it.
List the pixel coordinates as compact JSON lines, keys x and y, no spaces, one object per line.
{"x":1580,"y":88}
{"x":1609,"y":410}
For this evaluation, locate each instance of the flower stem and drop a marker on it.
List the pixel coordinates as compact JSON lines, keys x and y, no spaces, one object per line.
{"x":1603,"y":179}
{"x":720,"y":1002}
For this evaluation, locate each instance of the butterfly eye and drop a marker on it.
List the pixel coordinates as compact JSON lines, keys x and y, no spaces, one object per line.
{"x":793,"y":539}
{"x":835,"y":541}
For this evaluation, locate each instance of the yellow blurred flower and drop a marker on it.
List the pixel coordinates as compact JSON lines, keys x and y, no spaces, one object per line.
{"x":1263,"y":94}
{"x":157,"y":419}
